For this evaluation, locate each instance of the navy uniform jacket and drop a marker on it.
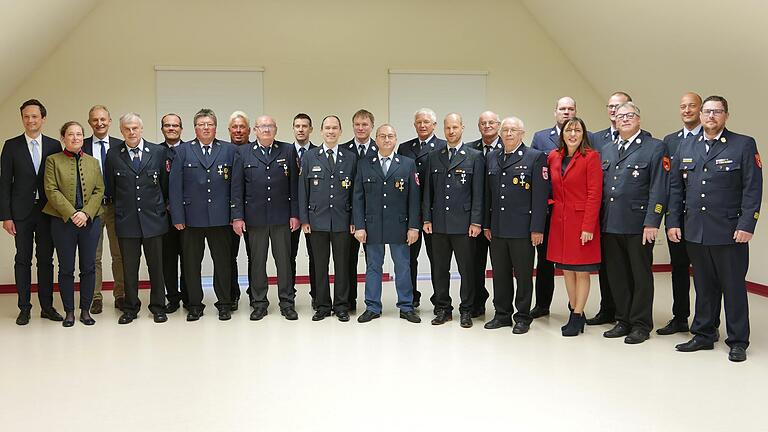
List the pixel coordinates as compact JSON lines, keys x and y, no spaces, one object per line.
{"x":270,"y":184}
{"x":516,"y":193}
{"x":19,"y":184}
{"x":453,"y":190}
{"x":480,"y":145}
{"x":325,"y":196}
{"x":88,"y":149}
{"x":412,"y":150}
{"x":351,"y":146}
{"x":139,"y":196}
{"x":672,"y":142}
{"x":716,"y":193}
{"x":386,"y":207}
{"x":603,"y":137}
{"x":547,"y":140}
{"x":203,"y":194}
{"x":634,"y":186}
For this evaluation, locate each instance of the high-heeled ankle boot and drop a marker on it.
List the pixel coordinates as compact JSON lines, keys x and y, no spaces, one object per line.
{"x":569,"y":323}
{"x":575,"y":325}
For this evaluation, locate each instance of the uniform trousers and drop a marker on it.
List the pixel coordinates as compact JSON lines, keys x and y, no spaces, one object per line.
{"x":512,"y":257}
{"x":235,"y":294}
{"x":219,"y":242}
{"x":34,"y":230}
{"x":415,"y":249}
{"x":108,"y":222}
{"x":294,"y":252}
{"x":720,"y":272}
{"x":630,"y":274}
{"x":374,"y":258}
{"x":443,"y":247}
{"x":259,"y":238}
{"x":481,"y":293}
{"x":70,"y":240}
{"x":175,"y":286}
{"x":545,"y":272}
{"x":354,"y":254}
{"x":130,"y":248}
{"x":681,"y":280}
{"x":322,"y":242}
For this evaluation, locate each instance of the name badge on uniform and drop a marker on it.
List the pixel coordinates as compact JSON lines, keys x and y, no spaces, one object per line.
{"x":722,"y":161}
{"x":316,"y":168}
{"x":687,"y":160}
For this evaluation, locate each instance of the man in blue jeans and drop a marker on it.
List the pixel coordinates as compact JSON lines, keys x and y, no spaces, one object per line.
{"x":386,"y":192}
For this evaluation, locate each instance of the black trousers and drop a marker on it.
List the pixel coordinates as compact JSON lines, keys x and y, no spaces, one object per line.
{"x":322,"y":242}
{"x":175,"y":288}
{"x":235,"y":294}
{"x":681,"y":279}
{"x":481,"y":262}
{"x":35,"y":229}
{"x":463,"y":247}
{"x":354,"y":254}
{"x":512,"y":257}
{"x":70,"y":241}
{"x":545,"y":272}
{"x":130,"y":249}
{"x":294,"y":253}
{"x":415,"y":250}
{"x":720,"y":272}
{"x":220,"y":244}
{"x":630,"y":274}
{"x":259,"y":238}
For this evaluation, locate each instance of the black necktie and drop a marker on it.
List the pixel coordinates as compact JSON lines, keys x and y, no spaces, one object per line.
{"x":301,"y":154}
{"x":265,"y":150}
{"x":615,"y":135}
{"x":360,"y":151}
{"x":622,"y":147}
{"x":422,"y":144}
{"x":135,"y":159}
{"x":453,"y":153}
{"x":708,"y":145}
{"x":487,"y":150}
{"x":331,"y":162}
{"x":103,"y":160}
{"x":206,"y":151}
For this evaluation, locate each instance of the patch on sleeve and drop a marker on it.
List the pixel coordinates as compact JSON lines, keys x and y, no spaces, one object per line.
{"x":758,"y":162}
{"x":665,"y":163}
{"x":757,"y":215}
{"x":658,"y":209}
{"x":545,"y":173}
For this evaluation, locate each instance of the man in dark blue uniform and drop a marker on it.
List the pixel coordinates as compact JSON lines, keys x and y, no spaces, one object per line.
{"x":175,"y":285}
{"x":270,"y":179}
{"x":634,"y":200}
{"x":239,"y":134}
{"x":516,"y":193}
{"x":488,"y":124}
{"x":362,"y":145}
{"x":717,"y":186}
{"x":690,"y":109}
{"x":136,"y":172}
{"x":386,"y":212}
{"x":547,"y":140}
{"x":204,"y":202}
{"x":453,"y":214}
{"x":325,"y":209}
{"x":424,"y":121}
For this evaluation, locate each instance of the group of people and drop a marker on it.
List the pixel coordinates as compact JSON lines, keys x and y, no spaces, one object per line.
{"x":574,"y":200}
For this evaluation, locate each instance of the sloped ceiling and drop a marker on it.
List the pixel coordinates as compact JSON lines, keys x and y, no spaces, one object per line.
{"x":31,"y":30}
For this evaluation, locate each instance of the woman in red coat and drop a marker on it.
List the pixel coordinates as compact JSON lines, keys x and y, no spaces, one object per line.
{"x":574,"y":233}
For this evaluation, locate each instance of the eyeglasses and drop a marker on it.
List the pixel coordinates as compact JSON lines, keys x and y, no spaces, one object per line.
{"x":206,"y":125}
{"x":386,"y":137}
{"x":266,"y":127}
{"x":628,"y":116}
{"x":712,"y":112}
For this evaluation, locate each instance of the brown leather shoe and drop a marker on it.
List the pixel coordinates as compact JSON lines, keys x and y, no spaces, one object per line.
{"x":97,"y":306}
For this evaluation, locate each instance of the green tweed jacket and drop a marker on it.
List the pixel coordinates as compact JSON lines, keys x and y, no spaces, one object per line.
{"x":59,"y":184}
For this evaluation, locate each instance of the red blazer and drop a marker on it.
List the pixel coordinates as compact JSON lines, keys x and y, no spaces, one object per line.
{"x":576,"y":208}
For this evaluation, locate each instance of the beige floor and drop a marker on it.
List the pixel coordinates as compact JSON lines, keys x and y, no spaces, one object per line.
{"x":276,"y":375}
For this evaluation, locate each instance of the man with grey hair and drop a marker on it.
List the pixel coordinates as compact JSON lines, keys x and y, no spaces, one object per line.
{"x":635,"y":188}
{"x":418,"y":149}
{"x":239,"y":134}
{"x":97,"y":146}
{"x":136,"y":171}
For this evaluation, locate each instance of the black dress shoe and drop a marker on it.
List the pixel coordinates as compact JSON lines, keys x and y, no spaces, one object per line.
{"x":521,"y":328}
{"x":441,"y":317}
{"x":126,"y":318}
{"x":23,"y":318}
{"x":321,"y":315}
{"x":258,"y":313}
{"x":172,"y":307}
{"x":738,"y":354}
{"x":367,"y":316}
{"x":225,"y":315}
{"x":673,"y":326}
{"x":120,"y":303}
{"x":194,"y":314}
{"x":69,"y":321}
{"x":289,"y":313}
{"x":619,"y":330}
{"x":342,"y":316}
{"x":97,"y":306}
{"x":496,"y":323}
{"x":636,"y":336}
{"x":465,"y":319}
{"x":160,"y":317}
{"x":51,"y":314}
{"x":538,"y":312}
{"x":695,"y":344}
{"x":477,"y":313}
{"x":410,"y":316}
{"x":602,"y":317}
{"x":86,"y":319}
